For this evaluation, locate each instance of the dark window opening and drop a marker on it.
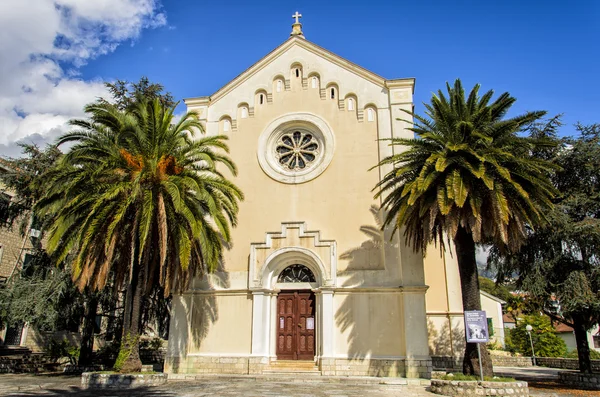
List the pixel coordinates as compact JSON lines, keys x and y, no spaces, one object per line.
{"x":297,"y":72}
{"x":333,"y":93}
{"x":296,"y":274}
{"x":4,"y":210}
{"x":490,"y":323}
{"x":261,"y":99}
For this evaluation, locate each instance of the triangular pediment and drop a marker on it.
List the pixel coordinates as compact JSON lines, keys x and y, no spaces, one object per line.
{"x":285,"y":46}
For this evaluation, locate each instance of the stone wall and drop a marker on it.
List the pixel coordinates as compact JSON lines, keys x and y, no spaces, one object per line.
{"x":347,"y":367}
{"x":37,"y":341}
{"x":30,"y":363}
{"x":152,"y":356}
{"x":461,"y":388}
{"x":579,"y":380}
{"x":446,"y":363}
{"x":12,"y":241}
{"x":507,"y":361}
{"x":454,"y":364}
{"x":564,"y":363}
{"x":93,"y":380}
{"x":207,"y":365}
{"x":328,"y":367}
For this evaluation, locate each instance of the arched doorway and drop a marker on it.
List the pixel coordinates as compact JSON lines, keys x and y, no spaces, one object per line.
{"x":296,"y":309}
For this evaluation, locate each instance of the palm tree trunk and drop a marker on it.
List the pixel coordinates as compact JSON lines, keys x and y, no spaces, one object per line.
{"x":132,"y":321}
{"x":583,"y":347}
{"x":87,"y":333}
{"x":127,"y":309}
{"x":469,"y":283}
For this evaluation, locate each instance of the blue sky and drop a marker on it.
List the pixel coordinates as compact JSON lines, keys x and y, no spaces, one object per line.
{"x":545,"y":53}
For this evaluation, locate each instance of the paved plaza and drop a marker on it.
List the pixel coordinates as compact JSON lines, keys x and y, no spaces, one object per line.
{"x":28,"y":385}
{"x":24,"y":385}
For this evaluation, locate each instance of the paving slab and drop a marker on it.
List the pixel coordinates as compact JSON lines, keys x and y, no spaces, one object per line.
{"x":28,"y":385}
{"x":60,"y":385}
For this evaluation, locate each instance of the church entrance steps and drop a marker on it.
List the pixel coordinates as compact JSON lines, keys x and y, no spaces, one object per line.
{"x":291,"y":372}
{"x":294,"y":378}
{"x":292,"y":367}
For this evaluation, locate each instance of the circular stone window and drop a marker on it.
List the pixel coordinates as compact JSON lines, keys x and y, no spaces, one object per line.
{"x":295,"y":148}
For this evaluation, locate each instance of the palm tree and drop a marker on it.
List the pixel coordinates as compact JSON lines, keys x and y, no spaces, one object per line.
{"x":138,"y":202}
{"x":468,"y":177}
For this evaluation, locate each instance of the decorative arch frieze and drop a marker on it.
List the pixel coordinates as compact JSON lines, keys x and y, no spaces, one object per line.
{"x":291,"y":245}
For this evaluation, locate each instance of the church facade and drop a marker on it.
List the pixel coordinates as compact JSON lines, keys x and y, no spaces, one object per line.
{"x":310,"y":281}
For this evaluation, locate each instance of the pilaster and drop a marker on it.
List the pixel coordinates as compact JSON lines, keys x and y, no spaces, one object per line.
{"x":261,"y":323}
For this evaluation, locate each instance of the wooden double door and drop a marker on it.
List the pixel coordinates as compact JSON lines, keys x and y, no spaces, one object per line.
{"x":296,"y":325}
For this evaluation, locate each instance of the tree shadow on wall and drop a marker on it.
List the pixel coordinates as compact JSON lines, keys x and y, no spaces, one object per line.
{"x":370,"y":321}
{"x":448,"y":342}
{"x":197,"y":310}
{"x":369,"y":255}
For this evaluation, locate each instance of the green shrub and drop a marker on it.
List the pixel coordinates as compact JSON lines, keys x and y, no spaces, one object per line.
{"x":494,"y":345}
{"x":545,"y":341}
{"x":594,"y":355}
{"x":62,"y":349}
{"x":154,"y":344}
{"x":459,"y":376}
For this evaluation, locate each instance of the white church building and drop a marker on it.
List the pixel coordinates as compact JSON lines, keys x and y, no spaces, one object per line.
{"x":311,"y":283}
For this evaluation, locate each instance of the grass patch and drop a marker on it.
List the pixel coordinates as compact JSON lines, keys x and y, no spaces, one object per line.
{"x":462,"y":377}
{"x":119,"y":373}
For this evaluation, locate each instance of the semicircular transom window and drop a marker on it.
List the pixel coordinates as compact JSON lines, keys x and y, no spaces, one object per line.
{"x":296,"y":274}
{"x":296,"y":150}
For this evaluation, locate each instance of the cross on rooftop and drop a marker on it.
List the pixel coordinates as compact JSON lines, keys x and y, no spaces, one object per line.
{"x":296,"y":15}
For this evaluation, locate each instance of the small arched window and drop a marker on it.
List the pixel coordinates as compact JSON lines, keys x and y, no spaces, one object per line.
{"x":244,"y":112}
{"x":226,"y":125}
{"x":314,"y":82}
{"x":332,"y":94}
{"x":350,"y":103}
{"x":370,"y":114}
{"x":279,"y":85}
{"x":261,"y":99}
{"x":296,"y":274}
{"x":297,"y":72}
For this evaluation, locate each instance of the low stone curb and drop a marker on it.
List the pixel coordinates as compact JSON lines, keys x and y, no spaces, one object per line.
{"x":355,"y":380}
{"x":76,"y":369}
{"x":475,"y":388}
{"x":94,"y":380}
{"x":580,"y":380}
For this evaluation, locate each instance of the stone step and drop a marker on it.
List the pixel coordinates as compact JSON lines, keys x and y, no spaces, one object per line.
{"x":307,"y":367}
{"x":14,"y":351}
{"x":293,"y":378}
{"x":292,"y":364}
{"x":291,"y":372}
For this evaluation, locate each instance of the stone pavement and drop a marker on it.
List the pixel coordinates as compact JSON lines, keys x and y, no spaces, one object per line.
{"x":44,"y":385}
{"x":26,"y":385}
{"x":529,"y":373}
{"x":543,"y":382}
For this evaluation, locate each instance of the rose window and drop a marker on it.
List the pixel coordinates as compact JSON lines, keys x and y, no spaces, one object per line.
{"x":297,"y":150}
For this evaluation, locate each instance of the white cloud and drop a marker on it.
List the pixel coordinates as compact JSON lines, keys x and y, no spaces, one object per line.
{"x":37,"y":96}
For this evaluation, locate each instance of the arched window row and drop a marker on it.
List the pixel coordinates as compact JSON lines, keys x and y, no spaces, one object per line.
{"x":331,"y":92}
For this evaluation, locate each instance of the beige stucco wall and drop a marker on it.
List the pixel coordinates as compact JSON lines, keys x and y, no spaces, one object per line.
{"x":493,"y":310}
{"x":369,"y":324}
{"x":217,"y":323}
{"x":373,"y":284}
{"x":445,"y":322}
{"x":323,"y":203}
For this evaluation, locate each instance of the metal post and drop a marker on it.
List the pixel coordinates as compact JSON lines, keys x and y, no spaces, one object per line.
{"x":480,"y":365}
{"x":532,"y":350}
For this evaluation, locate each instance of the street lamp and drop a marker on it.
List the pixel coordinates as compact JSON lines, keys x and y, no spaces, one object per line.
{"x":529,"y":328}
